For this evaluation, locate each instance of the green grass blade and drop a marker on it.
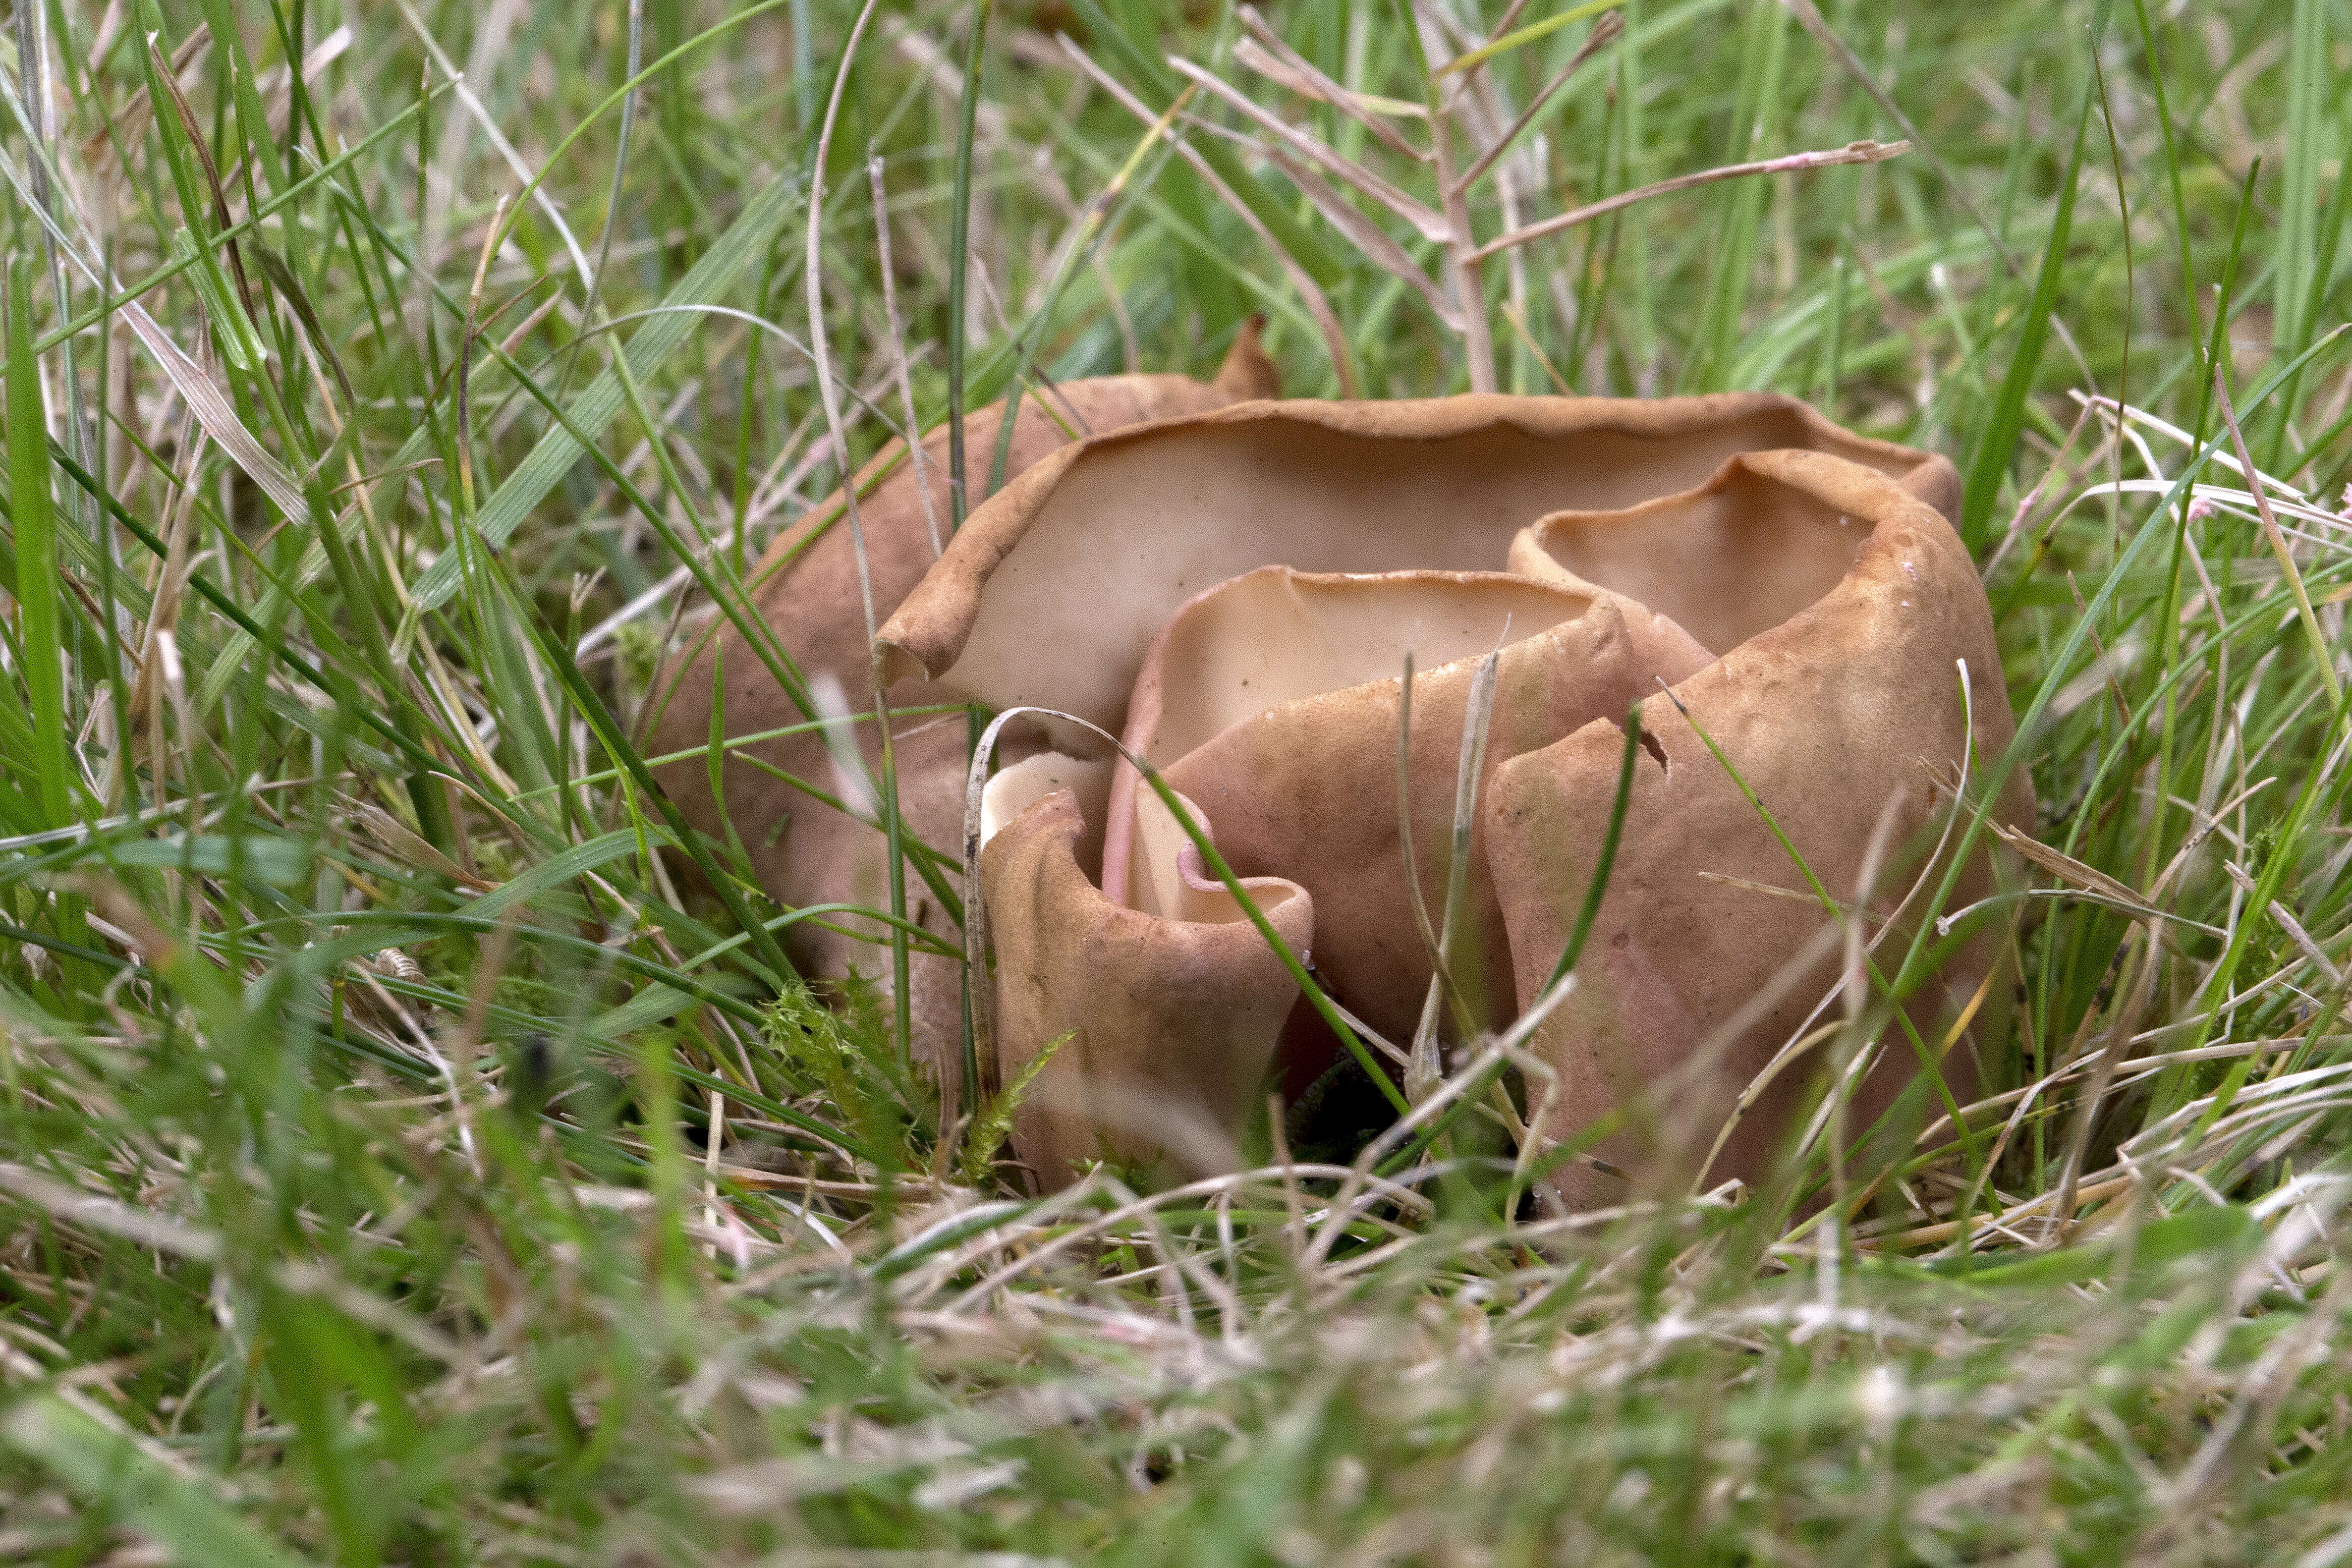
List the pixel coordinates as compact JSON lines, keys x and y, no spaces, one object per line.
{"x":959,"y":265}
{"x":1599,"y":887}
{"x":1998,"y":447}
{"x":172,"y":1510}
{"x":36,"y":587}
{"x":705,"y":283}
{"x":2308,"y":92}
{"x":1739,"y":206}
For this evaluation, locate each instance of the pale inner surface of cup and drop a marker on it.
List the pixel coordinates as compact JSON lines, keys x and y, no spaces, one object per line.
{"x":1725,"y":563}
{"x":1275,"y":635}
{"x":1137,"y":526}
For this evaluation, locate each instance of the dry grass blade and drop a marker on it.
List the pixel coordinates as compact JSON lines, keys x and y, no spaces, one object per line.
{"x":1319,"y":305}
{"x":1470,"y":768}
{"x":1605,"y":32}
{"x":2323,"y":656}
{"x":204,"y":396}
{"x":1426,"y":927}
{"x":2310,"y":948}
{"x":1263,"y":52}
{"x":1789,"y":163}
{"x":109,"y":1215}
{"x":1431,"y":225}
{"x":1367,"y":236}
{"x":900,"y":372}
{"x":1504,"y":39}
{"x":2066,"y":869}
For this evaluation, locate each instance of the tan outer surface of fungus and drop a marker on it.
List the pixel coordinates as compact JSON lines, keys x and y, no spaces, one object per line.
{"x":1808,"y":599}
{"x":807,"y":590}
{"x":1071,"y":961}
{"x":1844,"y":704}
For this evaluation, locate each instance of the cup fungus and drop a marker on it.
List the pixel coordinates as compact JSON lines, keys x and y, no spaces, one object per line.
{"x":1234,"y":593}
{"x":780,"y":796}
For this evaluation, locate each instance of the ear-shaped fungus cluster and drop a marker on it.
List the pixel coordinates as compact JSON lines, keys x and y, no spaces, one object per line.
{"x":1234,"y":595}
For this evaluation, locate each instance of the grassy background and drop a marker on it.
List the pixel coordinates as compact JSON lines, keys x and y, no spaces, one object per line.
{"x":399,"y":1169}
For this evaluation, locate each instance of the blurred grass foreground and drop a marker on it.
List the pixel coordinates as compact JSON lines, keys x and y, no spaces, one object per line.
{"x":401,"y":1160}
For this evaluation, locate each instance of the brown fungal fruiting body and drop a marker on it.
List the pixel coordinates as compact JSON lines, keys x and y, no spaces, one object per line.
{"x":1234,"y":593}
{"x":804,"y":849}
